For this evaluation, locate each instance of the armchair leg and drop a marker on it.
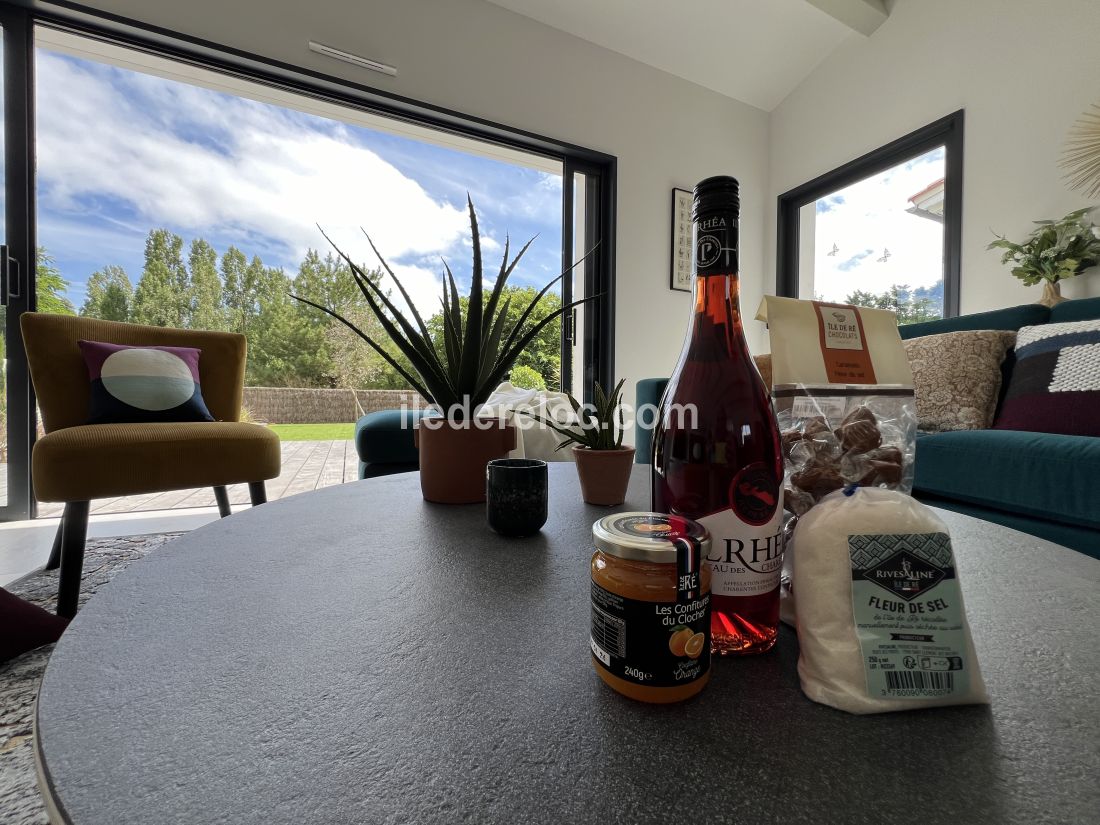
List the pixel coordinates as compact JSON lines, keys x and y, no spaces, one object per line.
{"x":74,"y":529}
{"x":257,"y":491}
{"x":221,"y":495}
{"x":55,"y":552}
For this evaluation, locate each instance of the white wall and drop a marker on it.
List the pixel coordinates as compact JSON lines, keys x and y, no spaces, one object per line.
{"x":479,"y":59}
{"x":1023,"y":71}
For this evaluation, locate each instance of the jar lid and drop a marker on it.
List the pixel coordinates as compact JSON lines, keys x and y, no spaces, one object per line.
{"x":649,"y":537}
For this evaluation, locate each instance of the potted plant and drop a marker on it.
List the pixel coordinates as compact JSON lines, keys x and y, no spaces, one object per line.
{"x":459,"y":374}
{"x":603,"y":463}
{"x":1056,"y":250}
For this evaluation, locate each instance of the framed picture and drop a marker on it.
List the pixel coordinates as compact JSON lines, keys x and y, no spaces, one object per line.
{"x":679,"y":277}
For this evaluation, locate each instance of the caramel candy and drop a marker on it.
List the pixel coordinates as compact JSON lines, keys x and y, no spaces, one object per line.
{"x":788,"y":438}
{"x":818,"y":478}
{"x":815,"y":426}
{"x":859,"y":432}
{"x":884,"y":467}
{"x":890,"y":454}
{"x":797,"y":501}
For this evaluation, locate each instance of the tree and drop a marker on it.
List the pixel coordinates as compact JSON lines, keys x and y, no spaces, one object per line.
{"x":161,"y":297}
{"x":911,"y":306}
{"x":328,"y":281}
{"x":205,"y":293}
{"x":354,"y":363}
{"x":50,"y":287}
{"x":236,"y":296}
{"x":285,"y":350}
{"x":109,"y":294}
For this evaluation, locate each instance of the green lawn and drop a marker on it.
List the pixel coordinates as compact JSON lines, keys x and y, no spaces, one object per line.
{"x":314,"y":432}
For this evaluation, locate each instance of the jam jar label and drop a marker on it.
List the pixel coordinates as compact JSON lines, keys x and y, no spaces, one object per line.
{"x":660,"y":644}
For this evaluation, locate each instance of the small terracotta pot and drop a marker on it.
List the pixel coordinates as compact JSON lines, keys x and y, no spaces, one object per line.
{"x":453,"y":458}
{"x":604,"y":474}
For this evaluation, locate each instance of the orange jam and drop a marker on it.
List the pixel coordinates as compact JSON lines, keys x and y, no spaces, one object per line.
{"x":650,"y":634}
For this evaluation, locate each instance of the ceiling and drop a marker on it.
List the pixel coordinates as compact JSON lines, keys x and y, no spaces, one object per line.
{"x":756,"y":51}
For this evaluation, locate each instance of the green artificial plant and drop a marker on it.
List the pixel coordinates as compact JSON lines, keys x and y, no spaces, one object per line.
{"x":598,"y":426}
{"x":476,"y":352}
{"x":1056,"y":250}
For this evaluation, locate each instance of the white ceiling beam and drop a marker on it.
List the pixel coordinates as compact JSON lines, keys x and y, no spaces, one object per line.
{"x":863,"y":16}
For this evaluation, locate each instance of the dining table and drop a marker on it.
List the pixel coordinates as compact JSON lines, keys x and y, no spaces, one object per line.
{"x":357,"y":654}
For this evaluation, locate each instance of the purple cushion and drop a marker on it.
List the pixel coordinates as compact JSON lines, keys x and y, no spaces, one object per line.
{"x":24,"y":626}
{"x":1055,"y":384}
{"x":143,"y":384}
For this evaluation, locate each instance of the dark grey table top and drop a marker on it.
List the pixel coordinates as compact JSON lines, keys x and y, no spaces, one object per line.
{"x":357,"y":655}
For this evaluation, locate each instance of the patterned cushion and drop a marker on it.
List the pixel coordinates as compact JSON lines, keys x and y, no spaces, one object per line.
{"x":1055,"y":386}
{"x":957,"y":378}
{"x":143,"y":384}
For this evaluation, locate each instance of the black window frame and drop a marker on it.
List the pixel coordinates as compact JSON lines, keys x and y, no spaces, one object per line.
{"x":21,"y":18}
{"x":946,"y":132}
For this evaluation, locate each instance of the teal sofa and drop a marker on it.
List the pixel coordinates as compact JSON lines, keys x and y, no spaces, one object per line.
{"x":1038,"y":483}
{"x":384,"y":442}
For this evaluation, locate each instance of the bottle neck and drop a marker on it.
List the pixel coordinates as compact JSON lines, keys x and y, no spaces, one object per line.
{"x":717,"y":288}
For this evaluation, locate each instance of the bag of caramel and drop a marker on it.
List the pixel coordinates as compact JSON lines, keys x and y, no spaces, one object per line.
{"x":843,"y":396}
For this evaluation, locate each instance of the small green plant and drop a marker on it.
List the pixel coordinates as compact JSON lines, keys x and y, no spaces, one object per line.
{"x":1056,"y":250}
{"x":476,"y":353}
{"x":599,"y":426}
{"x":527,"y":378}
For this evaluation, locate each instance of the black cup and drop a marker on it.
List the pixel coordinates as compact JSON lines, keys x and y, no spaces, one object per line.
{"x":515,"y":495}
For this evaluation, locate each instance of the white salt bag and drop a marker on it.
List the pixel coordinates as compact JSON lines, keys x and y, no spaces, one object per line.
{"x":879,"y":610}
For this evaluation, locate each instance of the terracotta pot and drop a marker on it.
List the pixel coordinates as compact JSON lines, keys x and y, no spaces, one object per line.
{"x":604,"y":474}
{"x":1052,"y":294}
{"x":453,"y":458}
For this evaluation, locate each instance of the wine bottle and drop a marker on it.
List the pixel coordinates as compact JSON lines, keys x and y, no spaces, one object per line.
{"x":716,"y":454}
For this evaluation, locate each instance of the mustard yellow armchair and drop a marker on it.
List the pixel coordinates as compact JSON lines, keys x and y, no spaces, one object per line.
{"x":76,"y":462}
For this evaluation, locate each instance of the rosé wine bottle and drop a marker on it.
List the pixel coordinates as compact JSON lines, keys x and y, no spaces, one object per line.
{"x":716,"y":451}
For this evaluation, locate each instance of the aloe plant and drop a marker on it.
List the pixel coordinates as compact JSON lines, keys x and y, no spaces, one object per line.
{"x":476,"y":353}
{"x":598,"y":424}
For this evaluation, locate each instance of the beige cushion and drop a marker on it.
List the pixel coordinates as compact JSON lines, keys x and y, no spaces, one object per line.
{"x":957,"y":378}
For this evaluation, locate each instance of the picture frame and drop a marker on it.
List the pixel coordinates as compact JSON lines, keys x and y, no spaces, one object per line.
{"x":679,"y":274}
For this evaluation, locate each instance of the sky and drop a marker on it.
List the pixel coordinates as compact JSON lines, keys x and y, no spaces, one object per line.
{"x":868,"y":218}
{"x":121,"y":153}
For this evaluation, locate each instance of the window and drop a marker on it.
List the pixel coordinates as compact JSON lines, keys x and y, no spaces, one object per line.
{"x":881,"y":231}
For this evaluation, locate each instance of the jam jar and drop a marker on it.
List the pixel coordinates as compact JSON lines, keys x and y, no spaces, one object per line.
{"x":650,"y":634}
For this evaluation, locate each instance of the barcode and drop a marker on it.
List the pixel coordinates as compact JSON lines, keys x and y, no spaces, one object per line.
{"x":907,"y":680}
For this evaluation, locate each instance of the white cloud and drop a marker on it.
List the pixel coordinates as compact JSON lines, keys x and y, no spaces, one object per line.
{"x":199,"y":163}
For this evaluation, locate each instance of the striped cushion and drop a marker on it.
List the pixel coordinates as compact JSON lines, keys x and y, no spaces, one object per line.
{"x":143,"y":384}
{"x":1055,"y":386}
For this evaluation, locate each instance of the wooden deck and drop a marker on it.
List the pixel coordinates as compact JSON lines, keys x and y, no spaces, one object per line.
{"x":307,"y":465}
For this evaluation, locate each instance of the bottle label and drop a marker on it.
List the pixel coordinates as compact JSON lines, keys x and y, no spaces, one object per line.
{"x":746,"y":551}
{"x":844,"y":344}
{"x":716,"y":245}
{"x":908,"y":615}
{"x":660,"y":644}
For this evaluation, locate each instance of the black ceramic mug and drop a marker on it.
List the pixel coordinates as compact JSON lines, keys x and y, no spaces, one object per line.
{"x":515,"y":495}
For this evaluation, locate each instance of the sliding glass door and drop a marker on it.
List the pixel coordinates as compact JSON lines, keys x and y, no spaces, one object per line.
{"x":160,"y":181}
{"x":17,"y":262}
